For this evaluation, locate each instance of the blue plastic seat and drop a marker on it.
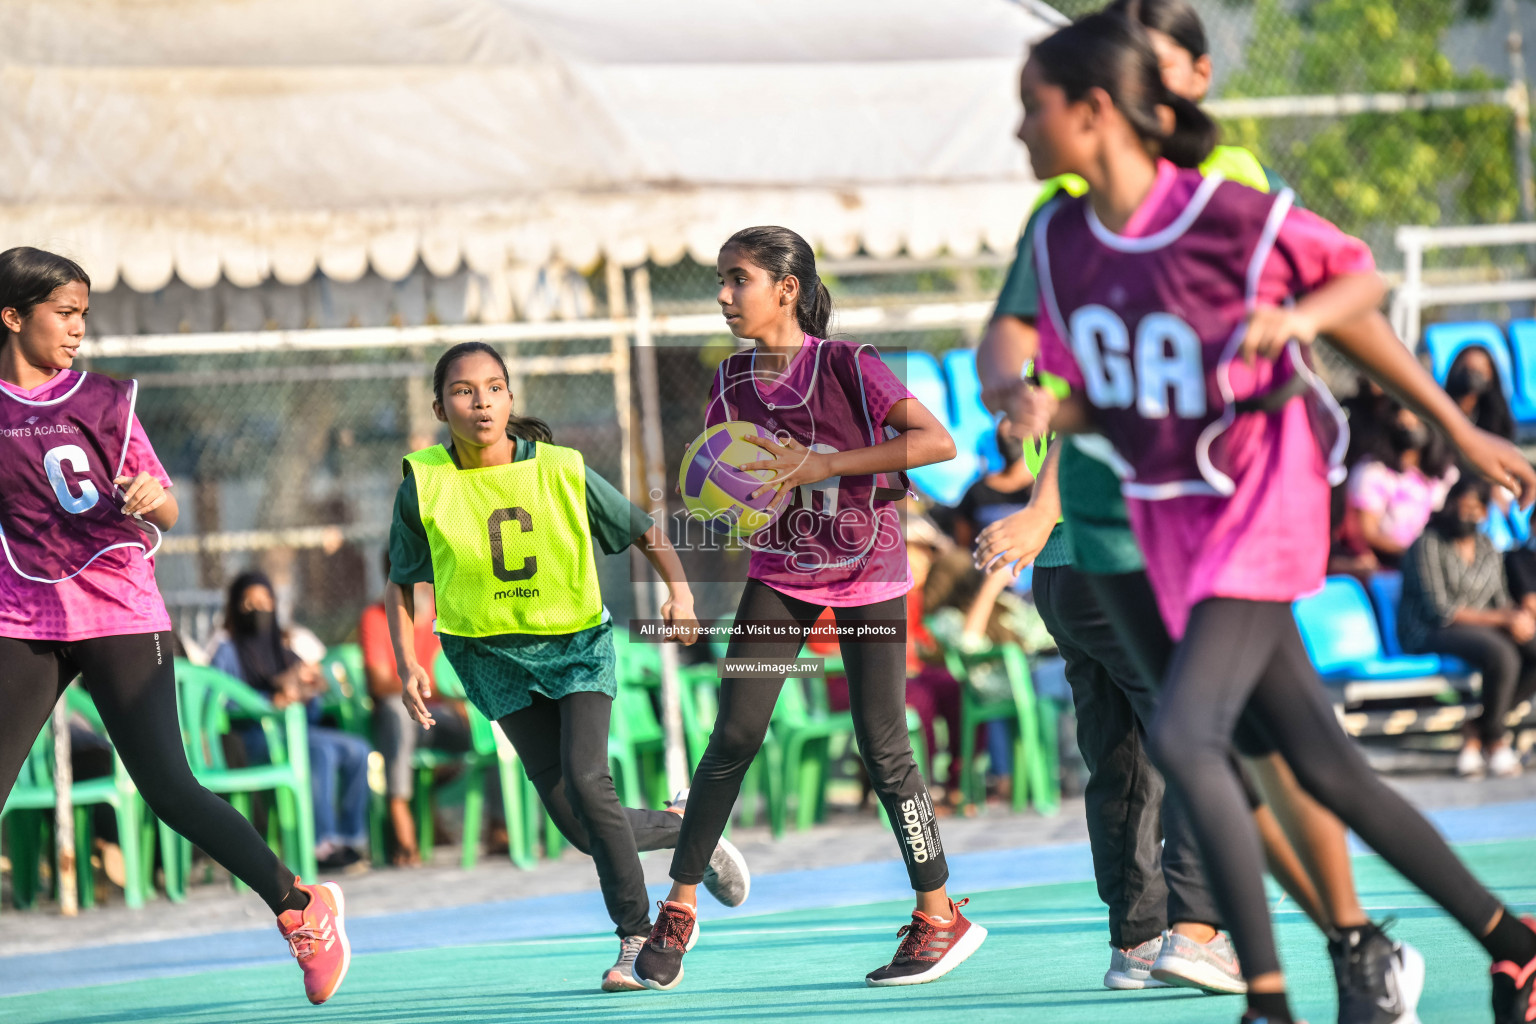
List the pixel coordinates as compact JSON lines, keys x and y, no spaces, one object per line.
{"x":920,"y":372}
{"x":975,"y":429}
{"x":1519,"y":523}
{"x":944,"y":482}
{"x":1499,"y":530}
{"x":1522,"y":341}
{"x":1387,"y":595}
{"x":1339,"y":628}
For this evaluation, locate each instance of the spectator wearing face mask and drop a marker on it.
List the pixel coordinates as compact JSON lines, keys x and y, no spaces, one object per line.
{"x":1456,"y":602}
{"x":1394,"y":489}
{"x":1473,"y":381}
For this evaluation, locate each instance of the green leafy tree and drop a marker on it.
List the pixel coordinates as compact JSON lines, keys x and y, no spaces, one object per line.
{"x":1370,"y":172}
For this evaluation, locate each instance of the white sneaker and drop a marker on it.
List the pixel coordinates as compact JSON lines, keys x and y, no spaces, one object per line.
{"x":621,"y":976}
{"x":1209,"y":966}
{"x":1469,"y":763}
{"x":1504,"y":763}
{"x":1131,"y":969}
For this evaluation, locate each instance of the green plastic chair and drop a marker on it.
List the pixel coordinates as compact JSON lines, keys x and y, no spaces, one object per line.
{"x":34,"y":792}
{"x":346,"y":697}
{"x":348,"y":702}
{"x":488,"y":749}
{"x":210,"y":702}
{"x":1035,"y":778}
{"x":763,"y":783}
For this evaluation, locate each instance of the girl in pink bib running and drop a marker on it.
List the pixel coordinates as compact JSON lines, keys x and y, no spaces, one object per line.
{"x":82,"y":502}
{"x":1179,"y":308}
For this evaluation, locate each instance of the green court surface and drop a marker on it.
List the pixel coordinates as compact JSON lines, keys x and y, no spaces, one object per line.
{"x":1042,"y":963}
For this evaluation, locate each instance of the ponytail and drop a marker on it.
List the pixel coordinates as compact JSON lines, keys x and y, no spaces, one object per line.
{"x":1194,"y":134}
{"x":783,"y":253}
{"x":529,"y":428}
{"x":1110,"y":52}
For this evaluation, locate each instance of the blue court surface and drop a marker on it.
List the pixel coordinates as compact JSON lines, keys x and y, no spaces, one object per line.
{"x":799,"y":948}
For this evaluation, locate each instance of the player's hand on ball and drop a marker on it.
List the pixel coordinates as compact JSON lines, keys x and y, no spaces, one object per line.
{"x":679,"y":622}
{"x":1014,"y":540}
{"x":1271,"y":328}
{"x":415,"y":688}
{"x":792,"y":465}
{"x":141,"y":494}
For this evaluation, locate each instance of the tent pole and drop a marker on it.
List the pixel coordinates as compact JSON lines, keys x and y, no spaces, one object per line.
{"x":656,"y":495}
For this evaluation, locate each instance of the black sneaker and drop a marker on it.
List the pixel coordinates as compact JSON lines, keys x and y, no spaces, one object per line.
{"x":930,"y":949}
{"x":1514,"y":989}
{"x":660,"y":963}
{"x":1380,"y":980}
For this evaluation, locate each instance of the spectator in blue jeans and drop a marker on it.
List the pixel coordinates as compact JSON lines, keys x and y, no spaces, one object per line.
{"x":257,"y":652}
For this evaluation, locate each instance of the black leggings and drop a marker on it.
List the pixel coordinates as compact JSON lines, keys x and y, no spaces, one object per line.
{"x":1246,"y":658}
{"x":133,"y":683}
{"x":1508,"y":668}
{"x":877,"y":685}
{"x":563,"y":745}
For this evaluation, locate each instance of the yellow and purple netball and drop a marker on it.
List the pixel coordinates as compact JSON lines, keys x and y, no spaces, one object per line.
{"x":715,"y":489}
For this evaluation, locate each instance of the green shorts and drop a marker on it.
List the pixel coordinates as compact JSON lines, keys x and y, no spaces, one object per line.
{"x":502,"y":673}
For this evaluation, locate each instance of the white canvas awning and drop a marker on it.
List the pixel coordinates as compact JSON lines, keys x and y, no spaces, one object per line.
{"x":255,"y":141}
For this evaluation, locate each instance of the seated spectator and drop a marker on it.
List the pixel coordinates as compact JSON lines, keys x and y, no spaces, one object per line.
{"x":1473,"y":381}
{"x":395,"y":732}
{"x":258,"y":652}
{"x":995,"y":495}
{"x":1456,"y":602}
{"x":1394,"y":490}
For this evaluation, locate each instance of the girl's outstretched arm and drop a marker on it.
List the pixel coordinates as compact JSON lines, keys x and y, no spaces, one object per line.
{"x":677,"y":610}
{"x":415,"y":684}
{"x":1370,"y":344}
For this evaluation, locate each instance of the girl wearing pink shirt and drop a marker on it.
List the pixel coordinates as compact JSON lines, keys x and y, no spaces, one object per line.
{"x":1176,"y":307}
{"x":82,"y":502}
{"x":842,"y":421}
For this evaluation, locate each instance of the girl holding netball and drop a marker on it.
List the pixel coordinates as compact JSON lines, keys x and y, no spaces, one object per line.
{"x":1167,"y":300}
{"x":502,"y":522}
{"x":82,"y":502}
{"x":841,"y":419}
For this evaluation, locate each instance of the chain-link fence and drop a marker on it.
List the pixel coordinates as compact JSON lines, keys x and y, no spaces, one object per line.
{"x":1378,"y":113}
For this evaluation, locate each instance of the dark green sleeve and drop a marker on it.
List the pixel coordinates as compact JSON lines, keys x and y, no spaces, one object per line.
{"x":1276,"y":183}
{"x":410,"y":556}
{"x":614,"y":520}
{"x":1020,"y":296}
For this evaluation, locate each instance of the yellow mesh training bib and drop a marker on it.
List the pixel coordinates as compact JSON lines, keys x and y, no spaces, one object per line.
{"x":511,"y":546}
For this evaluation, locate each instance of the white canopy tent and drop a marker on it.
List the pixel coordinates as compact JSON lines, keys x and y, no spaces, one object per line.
{"x":230,"y":142}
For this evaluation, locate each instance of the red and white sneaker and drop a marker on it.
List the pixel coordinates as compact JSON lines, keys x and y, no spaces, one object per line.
{"x":1514,"y":989}
{"x":317,"y":935}
{"x":930,"y":949}
{"x":659,"y":964}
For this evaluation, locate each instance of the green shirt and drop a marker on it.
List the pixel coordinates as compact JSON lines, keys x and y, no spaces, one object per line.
{"x":500,"y":674}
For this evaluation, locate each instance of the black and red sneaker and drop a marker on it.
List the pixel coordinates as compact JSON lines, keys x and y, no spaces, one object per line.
{"x":1514,"y":989}
{"x":930,"y":949}
{"x":660,"y":963}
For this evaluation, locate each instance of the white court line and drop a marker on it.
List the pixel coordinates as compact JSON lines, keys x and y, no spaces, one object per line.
{"x":724,"y":930}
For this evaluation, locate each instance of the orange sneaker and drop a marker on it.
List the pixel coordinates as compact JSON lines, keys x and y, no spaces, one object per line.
{"x":318,"y":937}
